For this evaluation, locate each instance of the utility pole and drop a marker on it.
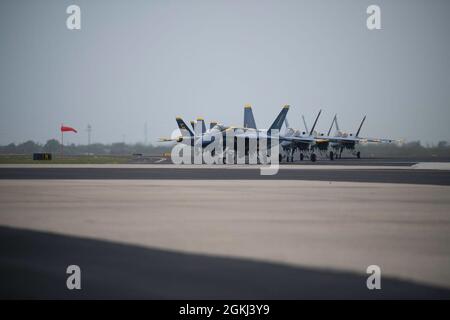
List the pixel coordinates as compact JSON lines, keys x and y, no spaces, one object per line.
{"x":145,"y":133}
{"x":62,"y":141}
{"x":89,"y":130}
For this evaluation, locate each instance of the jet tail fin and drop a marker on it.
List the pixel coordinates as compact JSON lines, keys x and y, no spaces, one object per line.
{"x":360,"y":126}
{"x":332,"y":123}
{"x":304,"y":122}
{"x":315,"y":122}
{"x":278,"y":123}
{"x":200,"y":127}
{"x":249,"y":120}
{"x":185,"y":131}
{"x":193,"y":124}
{"x":336,"y":123}
{"x":212,"y":124}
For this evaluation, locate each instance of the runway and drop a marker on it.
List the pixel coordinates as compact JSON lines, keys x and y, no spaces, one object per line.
{"x":223,"y":238}
{"x":384,"y":174}
{"x":33,"y":262}
{"x":160,"y":231}
{"x":346,"y":161}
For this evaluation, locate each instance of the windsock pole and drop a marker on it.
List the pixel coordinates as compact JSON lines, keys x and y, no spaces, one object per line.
{"x":62,"y":141}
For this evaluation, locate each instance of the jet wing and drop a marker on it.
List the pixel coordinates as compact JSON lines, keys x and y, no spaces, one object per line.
{"x":297,"y":139}
{"x":358,"y":139}
{"x":342,"y":139}
{"x":378,"y":140}
{"x":247,"y":135}
{"x":177,"y":139}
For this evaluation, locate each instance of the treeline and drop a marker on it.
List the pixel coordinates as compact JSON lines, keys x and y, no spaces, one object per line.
{"x":413,"y":149}
{"x":409,"y":149}
{"x":54,"y":146}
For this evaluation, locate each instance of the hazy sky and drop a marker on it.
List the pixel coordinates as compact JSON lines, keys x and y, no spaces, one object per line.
{"x":148,"y":61}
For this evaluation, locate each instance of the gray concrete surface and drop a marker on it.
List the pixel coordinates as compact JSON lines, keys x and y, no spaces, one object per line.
{"x":322,"y":160}
{"x":328,"y":226}
{"x":202,"y":172}
{"x":32,"y":265}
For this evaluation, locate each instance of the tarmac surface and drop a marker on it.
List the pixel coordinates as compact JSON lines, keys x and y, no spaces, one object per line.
{"x":223,"y":239}
{"x":33,"y":267}
{"x":351,"y":161}
{"x":412,"y":174}
{"x":161,"y":231}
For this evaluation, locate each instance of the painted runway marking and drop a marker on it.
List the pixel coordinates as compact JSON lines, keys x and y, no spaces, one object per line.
{"x":432,"y":165}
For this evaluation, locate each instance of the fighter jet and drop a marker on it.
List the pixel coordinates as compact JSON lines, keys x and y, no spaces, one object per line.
{"x":306,"y":142}
{"x":249,"y":131}
{"x":290,"y":139}
{"x":198,"y":135}
{"x":322,"y":144}
{"x":342,"y":140}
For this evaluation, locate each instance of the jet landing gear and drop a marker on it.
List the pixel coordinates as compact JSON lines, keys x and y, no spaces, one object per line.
{"x":289,"y":156}
{"x":358,"y":155}
{"x":301,"y":156}
{"x":292,"y":156}
{"x":313,"y":157}
{"x":331,"y":155}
